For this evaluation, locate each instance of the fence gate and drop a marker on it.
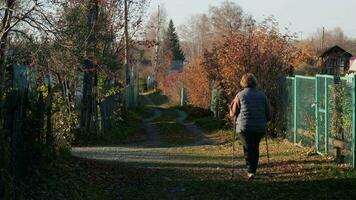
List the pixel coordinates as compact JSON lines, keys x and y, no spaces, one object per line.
{"x":322,"y":84}
{"x":321,"y":113}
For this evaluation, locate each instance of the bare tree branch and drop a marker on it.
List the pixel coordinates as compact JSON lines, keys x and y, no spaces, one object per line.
{"x":22,"y":33}
{"x":18,"y":20}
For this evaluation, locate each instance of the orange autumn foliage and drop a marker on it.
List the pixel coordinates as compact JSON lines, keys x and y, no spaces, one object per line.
{"x":260,"y":49}
{"x":196,"y":80}
{"x":171,"y":85}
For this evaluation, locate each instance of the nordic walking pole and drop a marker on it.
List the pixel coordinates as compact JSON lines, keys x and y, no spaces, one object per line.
{"x":233,"y":148}
{"x":268,"y":158}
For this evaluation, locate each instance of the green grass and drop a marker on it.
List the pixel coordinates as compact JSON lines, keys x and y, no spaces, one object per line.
{"x":168,"y":115}
{"x":123,"y":131}
{"x":158,"y":99}
{"x":210,"y":124}
{"x":196,"y":113}
{"x":174,"y":134}
{"x":140,"y":113}
{"x":213,"y":127}
{"x":203,"y":118}
{"x":170,"y":132}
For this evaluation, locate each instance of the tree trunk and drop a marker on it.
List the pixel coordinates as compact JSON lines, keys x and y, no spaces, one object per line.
{"x":89,"y":105}
{"x":4,"y":32}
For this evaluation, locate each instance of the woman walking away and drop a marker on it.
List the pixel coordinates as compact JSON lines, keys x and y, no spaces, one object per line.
{"x":250,"y":108}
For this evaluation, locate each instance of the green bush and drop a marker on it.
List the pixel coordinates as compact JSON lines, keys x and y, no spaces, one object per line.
{"x":340,"y":114}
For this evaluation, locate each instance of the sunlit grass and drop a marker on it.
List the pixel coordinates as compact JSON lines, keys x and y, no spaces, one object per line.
{"x":172,"y":133}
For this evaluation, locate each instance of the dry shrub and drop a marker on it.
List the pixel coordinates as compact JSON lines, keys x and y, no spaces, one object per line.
{"x":196,"y":80}
{"x":163,"y":70}
{"x":262,"y":52}
{"x":146,"y":71}
{"x":260,"y":49}
{"x":171,"y":85}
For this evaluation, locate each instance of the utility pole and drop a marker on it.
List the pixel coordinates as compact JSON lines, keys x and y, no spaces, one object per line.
{"x":158,"y":38}
{"x":126,"y":61}
{"x":301,"y":35}
{"x":322,"y":39}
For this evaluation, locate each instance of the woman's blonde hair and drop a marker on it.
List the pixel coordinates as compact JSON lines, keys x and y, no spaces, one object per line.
{"x":248,"y":80}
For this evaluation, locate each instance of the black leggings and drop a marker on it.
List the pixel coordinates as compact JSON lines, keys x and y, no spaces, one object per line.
{"x":251,"y":144}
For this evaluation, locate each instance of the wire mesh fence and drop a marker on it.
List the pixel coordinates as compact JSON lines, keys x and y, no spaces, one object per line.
{"x":320,"y":112}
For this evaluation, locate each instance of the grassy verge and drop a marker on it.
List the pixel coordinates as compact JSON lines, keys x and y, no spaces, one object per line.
{"x":296,"y":175}
{"x":65,"y":178}
{"x":158,"y":99}
{"x":123,"y":131}
{"x":170,"y":132}
{"x":215,"y":128}
{"x":174,"y":134}
{"x":168,"y":115}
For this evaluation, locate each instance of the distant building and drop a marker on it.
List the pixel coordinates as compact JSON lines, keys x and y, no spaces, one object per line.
{"x":335,"y":61}
{"x":176,"y":66}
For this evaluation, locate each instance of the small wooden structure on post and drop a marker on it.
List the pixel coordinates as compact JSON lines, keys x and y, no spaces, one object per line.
{"x":335,"y":61}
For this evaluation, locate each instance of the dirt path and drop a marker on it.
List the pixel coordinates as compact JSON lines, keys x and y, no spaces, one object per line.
{"x":172,"y":158}
{"x":150,"y":153}
{"x":202,"y":169}
{"x":150,"y":127}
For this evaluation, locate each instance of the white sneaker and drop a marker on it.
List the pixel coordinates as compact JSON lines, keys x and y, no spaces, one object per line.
{"x":250,"y":176}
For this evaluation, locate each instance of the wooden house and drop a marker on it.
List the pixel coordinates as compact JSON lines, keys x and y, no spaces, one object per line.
{"x":335,"y":61}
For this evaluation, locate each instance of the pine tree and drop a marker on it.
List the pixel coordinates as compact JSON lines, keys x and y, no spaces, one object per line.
{"x":171,"y":42}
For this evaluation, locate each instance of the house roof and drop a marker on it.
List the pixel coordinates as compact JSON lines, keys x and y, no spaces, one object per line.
{"x":336,"y":47}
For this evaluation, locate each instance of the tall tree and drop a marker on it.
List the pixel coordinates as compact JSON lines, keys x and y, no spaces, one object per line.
{"x":226,"y":19}
{"x":196,"y":36}
{"x":203,"y":31}
{"x":89,"y":108}
{"x":171,"y":43}
{"x":154,"y":32}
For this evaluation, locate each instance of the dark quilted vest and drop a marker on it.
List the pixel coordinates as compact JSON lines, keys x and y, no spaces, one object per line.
{"x":252,"y":117}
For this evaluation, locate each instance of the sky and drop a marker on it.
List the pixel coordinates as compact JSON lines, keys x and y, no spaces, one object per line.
{"x":301,"y":16}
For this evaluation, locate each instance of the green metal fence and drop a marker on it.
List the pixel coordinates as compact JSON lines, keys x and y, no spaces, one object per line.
{"x":320,"y":112}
